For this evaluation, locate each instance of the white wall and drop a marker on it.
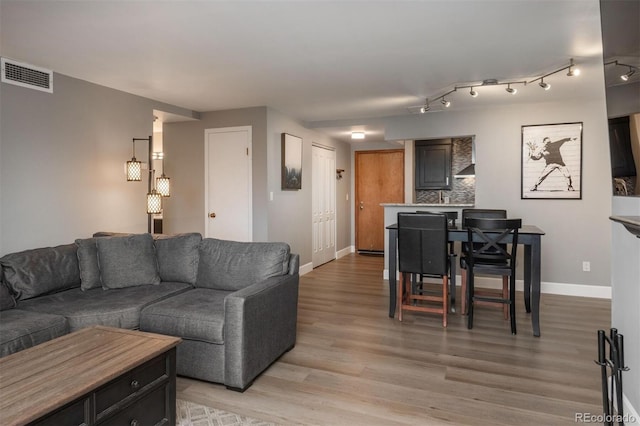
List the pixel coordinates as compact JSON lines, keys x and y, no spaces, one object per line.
{"x":290,"y":211}
{"x":62,"y":166}
{"x":576,"y":230}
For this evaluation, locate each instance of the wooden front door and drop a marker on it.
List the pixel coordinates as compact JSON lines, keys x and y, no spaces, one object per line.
{"x":379,"y":179}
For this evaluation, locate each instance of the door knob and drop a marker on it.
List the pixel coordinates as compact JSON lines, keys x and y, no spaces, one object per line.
{"x":361,"y":205}
{"x":212,"y":215}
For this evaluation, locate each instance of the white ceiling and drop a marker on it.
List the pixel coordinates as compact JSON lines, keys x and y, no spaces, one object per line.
{"x":317,"y":61}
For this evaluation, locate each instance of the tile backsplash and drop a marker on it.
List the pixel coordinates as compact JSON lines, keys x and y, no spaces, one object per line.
{"x":463,"y":190}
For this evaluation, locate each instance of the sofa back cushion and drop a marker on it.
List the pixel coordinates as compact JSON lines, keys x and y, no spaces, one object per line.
{"x":178,"y":257}
{"x":6,"y":298}
{"x":127,"y":261}
{"x":88,"y":263}
{"x":40,"y":271}
{"x":232,"y":265}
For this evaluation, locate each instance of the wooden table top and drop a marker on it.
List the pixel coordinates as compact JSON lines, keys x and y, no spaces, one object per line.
{"x":38,"y":380}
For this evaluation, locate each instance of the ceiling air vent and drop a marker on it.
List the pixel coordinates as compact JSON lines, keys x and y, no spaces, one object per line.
{"x":26,"y":75}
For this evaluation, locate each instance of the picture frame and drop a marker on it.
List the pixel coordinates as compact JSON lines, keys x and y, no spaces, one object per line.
{"x":551,"y":166}
{"x":291,"y":162}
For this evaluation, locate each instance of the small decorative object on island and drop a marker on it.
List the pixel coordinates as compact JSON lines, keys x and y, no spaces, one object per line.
{"x":291,"y":162}
{"x":552,"y":161}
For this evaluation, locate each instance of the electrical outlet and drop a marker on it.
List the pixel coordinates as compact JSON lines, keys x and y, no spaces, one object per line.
{"x":586,"y":266}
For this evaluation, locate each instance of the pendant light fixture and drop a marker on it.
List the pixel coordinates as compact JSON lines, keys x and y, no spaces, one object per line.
{"x":163,"y":183}
{"x":134,"y":167}
{"x":154,"y":199}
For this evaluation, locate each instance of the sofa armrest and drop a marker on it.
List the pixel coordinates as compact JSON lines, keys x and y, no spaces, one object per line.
{"x":259,"y":326}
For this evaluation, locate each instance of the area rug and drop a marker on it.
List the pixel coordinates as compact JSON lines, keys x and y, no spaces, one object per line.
{"x":192,"y":414}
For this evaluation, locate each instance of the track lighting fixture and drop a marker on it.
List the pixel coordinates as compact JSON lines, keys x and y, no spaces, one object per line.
{"x":625,"y":77}
{"x":545,"y":86}
{"x":573,"y":71}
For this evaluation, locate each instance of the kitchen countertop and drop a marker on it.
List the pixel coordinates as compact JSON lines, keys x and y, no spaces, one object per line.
{"x":424,"y":205}
{"x":632,"y":223}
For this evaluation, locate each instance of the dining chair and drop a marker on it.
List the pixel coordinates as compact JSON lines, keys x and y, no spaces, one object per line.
{"x":488,"y":256}
{"x":422,"y":250}
{"x":479,"y":213}
{"x":452,"y":217}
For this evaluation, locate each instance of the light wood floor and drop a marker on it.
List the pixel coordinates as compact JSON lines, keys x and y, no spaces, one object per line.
{"x":353,"y":365}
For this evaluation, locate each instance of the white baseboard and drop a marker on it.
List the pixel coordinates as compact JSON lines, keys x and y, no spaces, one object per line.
{"x":345,"y":251}
{"x":564,"y":289}
{"x":306,"y":268}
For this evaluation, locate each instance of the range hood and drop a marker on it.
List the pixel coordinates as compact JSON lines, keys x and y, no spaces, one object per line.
{"x":470,"y":170}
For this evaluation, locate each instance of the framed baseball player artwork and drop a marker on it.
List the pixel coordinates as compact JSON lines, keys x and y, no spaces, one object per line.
{"x":552,"y":161}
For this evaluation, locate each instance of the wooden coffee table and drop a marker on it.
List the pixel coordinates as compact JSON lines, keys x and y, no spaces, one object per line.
{"x":97,"y":375}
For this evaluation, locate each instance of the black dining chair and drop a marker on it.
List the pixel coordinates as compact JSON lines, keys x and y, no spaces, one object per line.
{"x":488,"y":255}
{"x":422,"y":251}
{"x":452,"y":217}
{"x":479,"y":213}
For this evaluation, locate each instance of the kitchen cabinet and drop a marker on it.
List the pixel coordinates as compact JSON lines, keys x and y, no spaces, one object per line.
{"x":433,"y":164}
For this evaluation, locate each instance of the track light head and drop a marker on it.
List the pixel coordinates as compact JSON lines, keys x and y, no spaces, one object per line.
{"x":573,"y":71}
{"x":473,"y":93}
{"x":511,"y":90}
{"x":625,"y":77}
{"x":446,"y":103}
{"x":545,"y":86}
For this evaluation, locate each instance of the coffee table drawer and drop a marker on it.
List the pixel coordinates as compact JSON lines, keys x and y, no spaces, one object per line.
{"x":137,"y":380}
{"x":76,"y":413}
{"x":150,"y":410}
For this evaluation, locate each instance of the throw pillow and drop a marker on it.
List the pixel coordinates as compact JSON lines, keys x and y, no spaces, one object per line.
{"x":127,"y":261}
{"x":232,"y":265}
{"x":88,"y":263}
{"x":178,"y":257}
{"x":35,"y":272}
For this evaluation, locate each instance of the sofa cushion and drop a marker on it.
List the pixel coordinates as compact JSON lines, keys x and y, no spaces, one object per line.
{"x":232,"y":265}
{"x":88,"y":264}
{"x":6,"y":298}
{"x":41,"y":271}
{"x":119,"y":308}
{"x":197,"y":314}
{"x":127,"y":261}
{"x":178,"y":257}
{"x":23,"y":329}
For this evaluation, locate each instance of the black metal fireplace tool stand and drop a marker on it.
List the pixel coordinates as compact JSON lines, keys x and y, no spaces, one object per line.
{"x":613,"y":367}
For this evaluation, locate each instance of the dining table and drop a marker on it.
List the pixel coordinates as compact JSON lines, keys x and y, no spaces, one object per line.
{"x":530,"y":236}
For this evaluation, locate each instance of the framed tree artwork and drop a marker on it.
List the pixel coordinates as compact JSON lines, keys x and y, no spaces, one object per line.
{"x":552,"y":161}
{"x":291,"y":162}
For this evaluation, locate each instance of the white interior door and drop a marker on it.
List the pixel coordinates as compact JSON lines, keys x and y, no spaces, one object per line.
{"x":323,"y":205}
{"x":228,"y":213}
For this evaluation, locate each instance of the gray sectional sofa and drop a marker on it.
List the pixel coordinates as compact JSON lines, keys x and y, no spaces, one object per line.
{"x":234,"y":304}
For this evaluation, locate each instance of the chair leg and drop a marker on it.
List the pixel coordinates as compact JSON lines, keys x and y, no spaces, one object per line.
{"x":470,"y":292}
{"x":512,"y":305}
{"x":400,"y":295}
{"x":505,"y":295}
{"x":463,"y":291}
{"x":445,"y":300}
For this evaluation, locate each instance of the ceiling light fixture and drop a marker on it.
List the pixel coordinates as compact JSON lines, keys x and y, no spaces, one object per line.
{"x":573,"y":70}
{"x":426,"y":107}
{"x":445,"y":102}
{"x":357,"y":135}
{"x":545,"y":86}
{"x":625,"y":77}
{"x":473,"y":93}
{"x":511,"y":90}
